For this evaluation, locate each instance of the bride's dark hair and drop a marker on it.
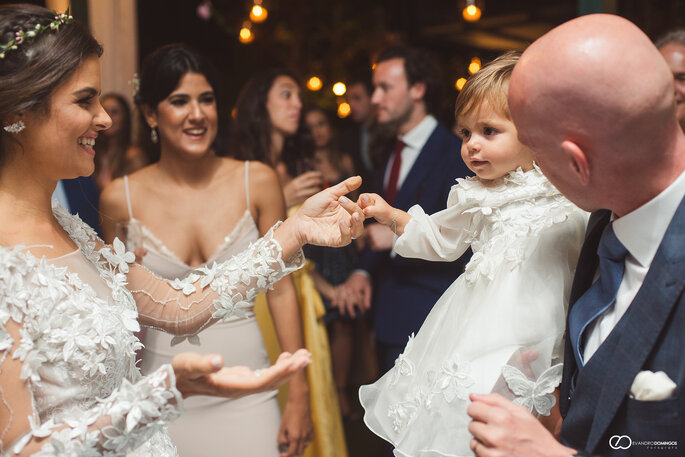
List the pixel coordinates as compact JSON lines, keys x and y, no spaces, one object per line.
{"x":30,"y":74}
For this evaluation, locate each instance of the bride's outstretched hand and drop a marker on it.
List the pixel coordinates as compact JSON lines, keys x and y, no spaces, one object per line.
{"x":329,"y":218}
{"x":198,"y":374}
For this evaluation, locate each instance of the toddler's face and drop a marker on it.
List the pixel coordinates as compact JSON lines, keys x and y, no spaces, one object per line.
{"x":490,"y":146}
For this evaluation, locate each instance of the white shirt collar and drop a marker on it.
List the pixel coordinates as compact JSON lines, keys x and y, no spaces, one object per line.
{"x":417,"y":137}
{"x":642,"y":230}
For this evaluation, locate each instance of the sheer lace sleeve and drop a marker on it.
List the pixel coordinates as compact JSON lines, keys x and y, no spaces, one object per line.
{"x":443,"y":236}
{"x":220,"y":291}
{"x":49,"y":402}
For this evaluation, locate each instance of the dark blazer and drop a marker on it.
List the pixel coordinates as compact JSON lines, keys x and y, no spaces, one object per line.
{"x":84,"y":199}
{"x":405,"y":290}
{"x":649,"y":336}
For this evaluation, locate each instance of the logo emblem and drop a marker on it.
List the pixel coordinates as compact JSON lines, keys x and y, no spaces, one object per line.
{"x":620,"y":442}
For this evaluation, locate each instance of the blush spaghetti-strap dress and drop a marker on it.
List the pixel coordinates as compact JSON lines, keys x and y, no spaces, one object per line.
{"x":211,"y":426}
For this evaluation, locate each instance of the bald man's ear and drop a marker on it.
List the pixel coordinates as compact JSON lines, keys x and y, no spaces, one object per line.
{"x":578,"y":161}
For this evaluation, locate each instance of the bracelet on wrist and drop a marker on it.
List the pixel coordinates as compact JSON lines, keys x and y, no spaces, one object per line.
{"x":393,"y":224}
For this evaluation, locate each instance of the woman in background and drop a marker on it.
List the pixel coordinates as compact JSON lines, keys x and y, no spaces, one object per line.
{"x":267,"y":119}
{"x":191,"y":209}
{"x":117,"y":156}
{"x":333,"y":266}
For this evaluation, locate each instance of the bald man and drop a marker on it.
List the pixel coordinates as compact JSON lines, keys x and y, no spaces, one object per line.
{"x":672,"y":47}
{"x":594,"y":100}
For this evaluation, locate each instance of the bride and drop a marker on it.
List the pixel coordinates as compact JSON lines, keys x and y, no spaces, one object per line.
{"x":69,"y":303}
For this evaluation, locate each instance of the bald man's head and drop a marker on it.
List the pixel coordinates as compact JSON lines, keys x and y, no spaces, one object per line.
{"x":594,"y":100}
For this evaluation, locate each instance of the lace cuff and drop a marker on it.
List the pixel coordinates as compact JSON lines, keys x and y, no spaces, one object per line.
{"x":217,"y":292}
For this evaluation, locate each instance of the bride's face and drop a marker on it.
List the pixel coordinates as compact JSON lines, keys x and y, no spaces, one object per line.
{"x":187,"y":119}
{"x":59,"y":142}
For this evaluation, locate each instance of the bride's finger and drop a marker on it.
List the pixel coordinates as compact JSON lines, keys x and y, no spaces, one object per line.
{"x":346,"y":186}
{"x":357,"y":221}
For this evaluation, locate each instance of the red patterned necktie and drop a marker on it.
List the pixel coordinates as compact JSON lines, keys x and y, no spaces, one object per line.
{"x":391,"y":188}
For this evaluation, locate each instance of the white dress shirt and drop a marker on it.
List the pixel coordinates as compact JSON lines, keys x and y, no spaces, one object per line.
{"x":641,"y":232}
{"x":414,"y":141}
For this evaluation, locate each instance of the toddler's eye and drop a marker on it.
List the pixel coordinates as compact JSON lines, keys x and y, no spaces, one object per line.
{"x":464,"y":134}
{"x":489,"y":131}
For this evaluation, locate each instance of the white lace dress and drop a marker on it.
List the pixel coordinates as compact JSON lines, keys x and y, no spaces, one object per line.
{"x":66,"y":331}
{"x":500,"y":325}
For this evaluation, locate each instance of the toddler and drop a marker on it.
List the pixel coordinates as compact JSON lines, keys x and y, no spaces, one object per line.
{"x":500,"y":325}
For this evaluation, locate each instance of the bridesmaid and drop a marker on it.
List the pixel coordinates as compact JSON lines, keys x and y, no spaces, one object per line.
{"x":267,"y":118}
{"x":190,"y":209}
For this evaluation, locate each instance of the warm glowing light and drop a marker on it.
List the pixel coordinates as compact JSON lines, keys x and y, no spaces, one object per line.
{"x":373,"y":67}
{"x":474,"y":66}
{"x":246,"y":35}
{"x":343,"y":110}
{"x":459,"y":85}
{"x":339,"y":89}
{"x":314,"y":83}
{"x":258,"y":13}
{"x":471,"y":13}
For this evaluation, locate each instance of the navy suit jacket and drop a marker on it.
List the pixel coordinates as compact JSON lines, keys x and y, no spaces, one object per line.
{"x":84,"y":199}
{"x":405,"y":290}
{"x":650,"y":336}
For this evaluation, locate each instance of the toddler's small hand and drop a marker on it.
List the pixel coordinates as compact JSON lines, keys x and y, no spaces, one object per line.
{"x":374,"y":206}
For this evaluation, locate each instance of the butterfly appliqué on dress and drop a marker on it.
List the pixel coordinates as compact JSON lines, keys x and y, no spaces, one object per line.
{"x":534,"y":394}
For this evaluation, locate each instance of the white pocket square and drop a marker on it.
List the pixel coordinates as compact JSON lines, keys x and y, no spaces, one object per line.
{"x":650,"y":386}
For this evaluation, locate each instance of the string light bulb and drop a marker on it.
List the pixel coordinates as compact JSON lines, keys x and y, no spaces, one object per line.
{"x":258,"y":13}
{"x":459,"y":85}
{"x":471,"y":12}
{"x":339,"y":89}
{"x":474,"y":66}
{"x":314,"y":83}
{"x":245,"y":35}
{"x":343,"y":110}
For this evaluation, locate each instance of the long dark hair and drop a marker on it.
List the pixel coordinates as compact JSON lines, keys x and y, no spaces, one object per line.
{"x":251,"y":129}
{"x":30,"y":74}
{"x":124,"y":139}
{"x":161,"y":72}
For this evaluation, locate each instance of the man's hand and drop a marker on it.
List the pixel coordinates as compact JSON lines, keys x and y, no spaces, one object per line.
{"x":346,"y":300}
{"x":359,"y":286}
{"x":379,"y":237}
{"x":501,"y":428}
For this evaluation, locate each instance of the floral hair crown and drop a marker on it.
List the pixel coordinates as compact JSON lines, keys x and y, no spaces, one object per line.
{"x":23,"y":36}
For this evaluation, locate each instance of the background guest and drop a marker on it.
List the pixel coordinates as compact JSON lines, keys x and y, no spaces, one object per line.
{"x":117,"y":156}
{"x":267,"y":118}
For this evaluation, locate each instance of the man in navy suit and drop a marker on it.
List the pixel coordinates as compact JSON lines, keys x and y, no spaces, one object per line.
{"x":595,"y":102}
{"x":423,"y":165}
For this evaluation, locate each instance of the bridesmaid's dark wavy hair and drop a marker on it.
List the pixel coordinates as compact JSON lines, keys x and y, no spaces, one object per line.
{"x":161,"y":72}
{"x":251,"y":129}
{"x":30,"y":75}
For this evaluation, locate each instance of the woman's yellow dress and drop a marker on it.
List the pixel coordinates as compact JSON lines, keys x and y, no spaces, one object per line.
{"x":329,"y":436}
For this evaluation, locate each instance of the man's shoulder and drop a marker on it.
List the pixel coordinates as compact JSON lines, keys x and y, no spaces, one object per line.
{"x":442,"y":138}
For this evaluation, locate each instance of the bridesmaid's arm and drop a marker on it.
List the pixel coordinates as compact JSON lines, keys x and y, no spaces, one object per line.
{"x":268,"y":207}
